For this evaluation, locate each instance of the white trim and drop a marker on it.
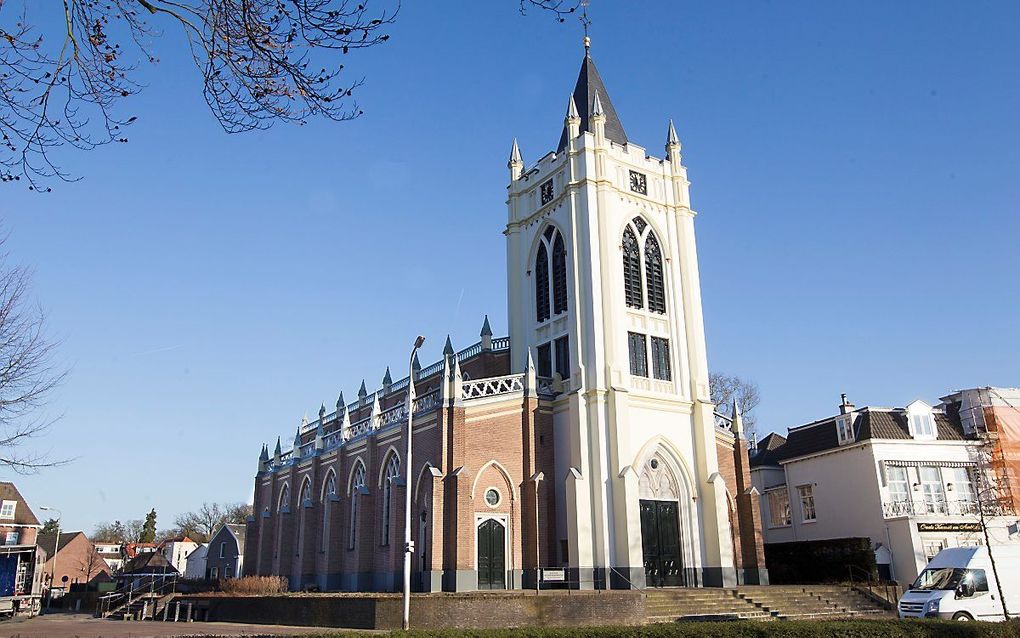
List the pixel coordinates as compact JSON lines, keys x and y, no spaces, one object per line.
{"x":504,"y":520}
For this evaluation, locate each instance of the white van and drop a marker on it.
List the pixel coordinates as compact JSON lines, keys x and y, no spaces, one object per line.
{"x":959,"y":584}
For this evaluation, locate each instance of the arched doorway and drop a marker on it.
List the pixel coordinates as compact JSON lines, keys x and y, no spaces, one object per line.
{"x":661,"y":534}
{"x":491,"y":554}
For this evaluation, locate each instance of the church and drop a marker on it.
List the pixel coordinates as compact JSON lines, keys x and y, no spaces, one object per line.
{"x":581,"y":451}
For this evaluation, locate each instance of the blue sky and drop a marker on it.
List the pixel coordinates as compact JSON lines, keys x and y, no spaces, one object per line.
{"x":854,"y":167}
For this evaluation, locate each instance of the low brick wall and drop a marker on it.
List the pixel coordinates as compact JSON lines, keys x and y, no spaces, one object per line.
{"x":428,"y":611}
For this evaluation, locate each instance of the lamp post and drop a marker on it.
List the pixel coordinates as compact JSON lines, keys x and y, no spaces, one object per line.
{"x":408,"y":544}
{"x":56,"y":544}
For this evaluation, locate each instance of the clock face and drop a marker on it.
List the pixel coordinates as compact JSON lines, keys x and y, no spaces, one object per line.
{"x":638,"y":183}
{"x":547,"y":192}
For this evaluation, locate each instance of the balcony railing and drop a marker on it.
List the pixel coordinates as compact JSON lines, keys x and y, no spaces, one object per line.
{"x":892,"y":509}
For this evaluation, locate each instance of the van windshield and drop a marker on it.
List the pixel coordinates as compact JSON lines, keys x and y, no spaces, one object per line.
{"x":939,"y":578}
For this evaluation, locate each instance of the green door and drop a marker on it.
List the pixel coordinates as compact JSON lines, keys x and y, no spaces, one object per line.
{"x":660,"y":544}
{"x":491,"y":555}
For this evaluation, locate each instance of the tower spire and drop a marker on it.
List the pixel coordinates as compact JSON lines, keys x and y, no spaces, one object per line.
{"x":589,"y":83}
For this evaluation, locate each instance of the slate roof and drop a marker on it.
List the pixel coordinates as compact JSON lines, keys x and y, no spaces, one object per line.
{"x":23,"y":514}
{"x":869,"y":423}
{"x":588,"y":82}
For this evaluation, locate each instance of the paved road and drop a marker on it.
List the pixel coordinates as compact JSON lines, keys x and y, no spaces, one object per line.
{"x":85,"y":626}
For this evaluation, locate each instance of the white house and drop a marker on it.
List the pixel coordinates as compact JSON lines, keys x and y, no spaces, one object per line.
{"x":196,"y":560}
{"x":176,"y":551}
{"x":906,"y":478}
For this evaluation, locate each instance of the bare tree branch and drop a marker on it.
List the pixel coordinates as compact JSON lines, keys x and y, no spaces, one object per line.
{"x":261,"y":61}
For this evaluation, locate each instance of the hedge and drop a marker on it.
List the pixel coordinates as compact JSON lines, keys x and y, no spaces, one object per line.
{"x":826,"y":561}
{"x":739,"y":629}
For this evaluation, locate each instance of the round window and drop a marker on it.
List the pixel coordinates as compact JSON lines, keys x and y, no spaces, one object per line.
{"x":492,"y":497}
{"x":654,"y":463}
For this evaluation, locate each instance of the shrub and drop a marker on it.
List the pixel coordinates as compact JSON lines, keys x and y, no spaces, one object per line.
{"x":254,"y":585}
{"x":827,"y":561}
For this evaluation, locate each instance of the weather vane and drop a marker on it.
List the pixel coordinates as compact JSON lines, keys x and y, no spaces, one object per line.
{"x":585,"y":22}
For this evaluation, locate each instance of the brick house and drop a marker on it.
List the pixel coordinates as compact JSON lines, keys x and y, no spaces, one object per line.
{"x":583,"y":450}
{"x":21,"y":575}
{"x":77,"y":560}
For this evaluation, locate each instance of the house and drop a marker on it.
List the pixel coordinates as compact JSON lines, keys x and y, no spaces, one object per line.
{"x":905,"y":478}
{"x":113,"y":554}
{"x":132,"y":550}
{"x":176,"y":551}
{"x":196,"y":563}
{"x":585,"y":441}
{"x":225,"y":556}
{"x":21,"y":573}
{"x":145,"y":567}
{"x":76,"y":560}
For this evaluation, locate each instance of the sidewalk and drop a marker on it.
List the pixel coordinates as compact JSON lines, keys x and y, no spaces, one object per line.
{"x":64,"y":625}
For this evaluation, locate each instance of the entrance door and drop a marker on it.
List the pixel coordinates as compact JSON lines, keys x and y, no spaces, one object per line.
{"x":491,"y":555}
{"x":660,"y":542}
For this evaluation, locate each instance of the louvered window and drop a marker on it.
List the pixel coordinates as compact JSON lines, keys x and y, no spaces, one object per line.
{"x":632,"y":270}
{"x":563,"y":357}
{"x":653,"y":276}
{"x":559,"y":268}
{"x":660,"y":359}
{"x":638,"y":347}
{"x":542,"y":284}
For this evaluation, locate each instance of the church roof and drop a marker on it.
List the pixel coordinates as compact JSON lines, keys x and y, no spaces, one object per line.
{"x":589,"y":82}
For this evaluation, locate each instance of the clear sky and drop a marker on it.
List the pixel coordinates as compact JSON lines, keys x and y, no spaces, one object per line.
{"x":854,"y":165}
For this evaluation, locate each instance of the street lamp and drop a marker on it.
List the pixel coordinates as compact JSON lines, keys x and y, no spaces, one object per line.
{"x":56,"y":544}
{"x":408,"y":544}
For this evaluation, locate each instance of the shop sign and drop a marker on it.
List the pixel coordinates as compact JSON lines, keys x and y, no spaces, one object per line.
{"x":949,"y":527}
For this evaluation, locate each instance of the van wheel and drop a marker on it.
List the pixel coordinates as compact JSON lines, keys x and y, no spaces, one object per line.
{"x":962,"y":616}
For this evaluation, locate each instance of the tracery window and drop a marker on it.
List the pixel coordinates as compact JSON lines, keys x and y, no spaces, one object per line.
{"x":542,"y":284}
{"x":328,"y":496}
{"x":653,"y":275}
{"x":550,"y":292}
{"x":357,"y":484}
{"x":392,"y":472}
{"x":648,"y":282}
{"x":559,"y":275}
{"x":306,"y":492}
{"x":284,"y":503}
{"x":632,"y":269}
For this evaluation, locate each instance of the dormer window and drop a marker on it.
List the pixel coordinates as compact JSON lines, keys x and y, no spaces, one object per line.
{"x":844,"y":430}
{"x":921,"y":421}
{"x":922,"y":426}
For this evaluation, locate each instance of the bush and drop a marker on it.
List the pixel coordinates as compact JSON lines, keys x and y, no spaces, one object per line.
{"x":741,"y":629}
{"x":254,"y":585}
{"x":828,"y":561}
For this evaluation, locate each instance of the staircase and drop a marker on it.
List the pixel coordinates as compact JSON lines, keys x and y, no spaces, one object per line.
{"x":699,"y":603}
{"x":804,"y":602}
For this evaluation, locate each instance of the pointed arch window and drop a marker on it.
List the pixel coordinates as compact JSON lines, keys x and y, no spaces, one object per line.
{"x":542,"y":284}
{"x":392,"y":473}
{"x":550,"y":259}
{"x":653,"y":275}
{"x":306,"y":492}
{"x":328,"y":496}
{"x":357,"y":485}
{"x":284,"y":504}
{"x":632,"y":269}
{"x":559,"y":259}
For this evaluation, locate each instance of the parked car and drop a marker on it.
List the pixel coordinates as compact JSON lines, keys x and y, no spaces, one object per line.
{"x":959,"y":584}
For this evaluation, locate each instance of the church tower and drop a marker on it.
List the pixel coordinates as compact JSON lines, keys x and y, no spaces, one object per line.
{"x":604,"y":297}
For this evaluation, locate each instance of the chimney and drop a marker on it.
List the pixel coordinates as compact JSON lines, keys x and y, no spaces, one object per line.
{"x":845,"y":407}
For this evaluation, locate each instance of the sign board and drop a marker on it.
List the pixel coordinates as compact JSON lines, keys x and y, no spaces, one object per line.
{"x":949,"y":527}
{"x":558,"y":575}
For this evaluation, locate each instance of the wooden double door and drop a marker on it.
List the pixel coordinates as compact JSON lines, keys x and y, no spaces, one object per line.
{"x":491,"y":554}
{"x":661,"y":544}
